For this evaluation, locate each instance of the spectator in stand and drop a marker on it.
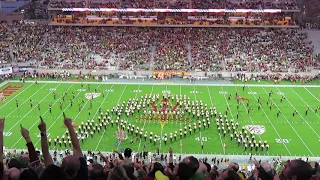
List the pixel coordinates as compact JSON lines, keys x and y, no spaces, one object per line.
{"x":227,"y":174}
{"x":96,"y":172}
{"x":229,"y":4}
{"x":140,"y":174}
{"x":296,"y":169}
{"x":316,"y":171}
{"x":104,"y":4}
{"x":152,"y":169}
{"x":179,"y":4}
{"x":67,"y":4}
{"x":253,"y":50}
{"x":74,"y":166}
{"x":18,"y":170}
{"x":4,"y":43}
{"x":138,"y":4}
{"x":205,"y":55}
{"x":171,"y":50}
{"x":214,"y":174}
{"x":25,"y":38}
{"x":118,"y":173}
{"x":52,"y":172}
{"x":1,"y":147}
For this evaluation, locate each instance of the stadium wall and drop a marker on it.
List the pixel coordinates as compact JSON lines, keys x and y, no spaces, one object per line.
{"x":11,"y":17}
{"x":145,"y":73}
{"x":176,"y":25}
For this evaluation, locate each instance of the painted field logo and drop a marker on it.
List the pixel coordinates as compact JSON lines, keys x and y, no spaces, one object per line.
{"x":92,"y":95}
{"x":8,"y":91}
{"x":256,"y":129}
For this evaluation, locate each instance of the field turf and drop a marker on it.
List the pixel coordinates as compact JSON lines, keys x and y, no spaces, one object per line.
{"x":286,"y":135}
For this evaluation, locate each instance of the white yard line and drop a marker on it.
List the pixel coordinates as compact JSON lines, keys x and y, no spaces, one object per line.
{"x":180,"y":128}
{"x":144,"y":124}
{"x":214,"y":119}
{"x":56,"y":119}
{"x":28,"y":111}
{"x":289,"y":124}
{"x":74,"y":119}
{"x":300,"y":113}
{"x":311,"y":94}
{"x":27,"y":99}
{"x":24,"y":89}
{"x":36,"y":122}
{"x":194,"y":93}
{"x":119,"y":104}
{"x":200,"y":143}
{"x":174,"y":84}
{"x":272,"y":124}
{"x":161,"y":132}
{"x":104,"y":131}
{"x":3,"y":83}
{"x":246,"y":112}
{"x":200,"y":131}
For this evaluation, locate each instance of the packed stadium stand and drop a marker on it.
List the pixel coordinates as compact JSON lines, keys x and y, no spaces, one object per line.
{"x":68,"y":70}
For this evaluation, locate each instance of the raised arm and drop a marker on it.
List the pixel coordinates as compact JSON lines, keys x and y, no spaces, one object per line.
{"x":33,"y":157}
{"x":119,"y":154}
{"x":171,"y":166}
{"x":1,"y":137}
{"x":44,"y":143}
{"x":104,"y":158}
{"x":73,"y":136}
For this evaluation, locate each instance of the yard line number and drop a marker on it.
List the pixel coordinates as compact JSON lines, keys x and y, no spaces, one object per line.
{"x":52,"y":89}
{"x":109,"y":90}
{"x":202,"y":139}
{"x":280,"y":93}
{"x":223,"y":92}
{"x":137,"y":91}
{"x":7,"y":133}
{"x":194,"y":92}
{"x":285,"y":141}
{"x":166,"y":92}
{"x":252,"y":92}
{"x":81,"y":90}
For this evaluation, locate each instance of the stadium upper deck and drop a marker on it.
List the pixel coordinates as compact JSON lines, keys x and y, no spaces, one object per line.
{"x":179,"y":13}
{"x":177,"y":4}
{"x":176,"y":19}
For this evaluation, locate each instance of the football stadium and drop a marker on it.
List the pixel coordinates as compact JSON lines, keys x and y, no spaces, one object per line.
{"x":157,"y":89}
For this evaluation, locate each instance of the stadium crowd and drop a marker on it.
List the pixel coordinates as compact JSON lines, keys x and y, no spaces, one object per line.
{"x":255,"y":4}
{"x":202,"y":49}
{"x":4,"y":43}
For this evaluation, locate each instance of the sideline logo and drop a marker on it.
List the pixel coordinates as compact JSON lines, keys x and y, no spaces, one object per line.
{"x":256,"y":129}
{"x":92,"y":95}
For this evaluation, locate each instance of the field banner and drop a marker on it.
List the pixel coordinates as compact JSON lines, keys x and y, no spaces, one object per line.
{"x":170,"y":73}
{"x":15,"y":69}
{"x":6,"y":70}
{"x":18,"y":69}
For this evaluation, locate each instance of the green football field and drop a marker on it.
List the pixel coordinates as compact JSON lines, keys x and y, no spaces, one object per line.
{"x":286,"y":135}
